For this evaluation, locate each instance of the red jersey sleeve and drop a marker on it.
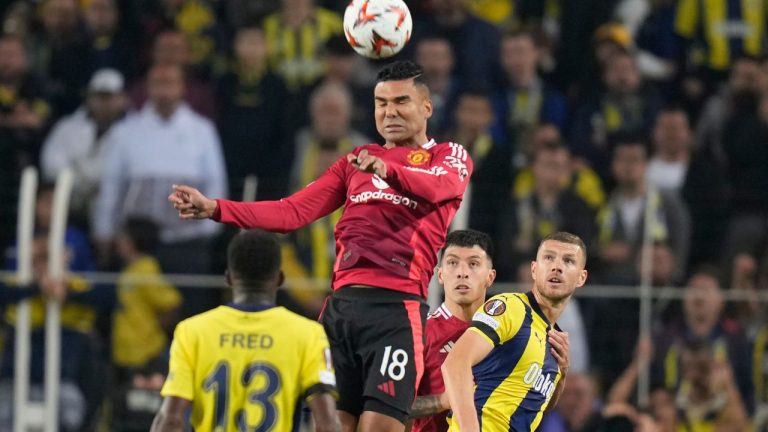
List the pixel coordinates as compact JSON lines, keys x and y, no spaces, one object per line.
{"x":445,"y":178}
{"x":318,"y":199}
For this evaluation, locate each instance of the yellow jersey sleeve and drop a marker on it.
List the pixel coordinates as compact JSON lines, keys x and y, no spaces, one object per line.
{"x":500,"y":318}
{"x":180,"y":381}
{"x":317,"y":374}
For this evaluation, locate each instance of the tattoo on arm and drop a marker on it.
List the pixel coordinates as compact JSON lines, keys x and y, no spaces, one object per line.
{"x":426,"y":406}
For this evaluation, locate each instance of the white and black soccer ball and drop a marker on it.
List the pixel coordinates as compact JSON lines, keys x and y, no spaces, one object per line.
{"x":377,"y":28}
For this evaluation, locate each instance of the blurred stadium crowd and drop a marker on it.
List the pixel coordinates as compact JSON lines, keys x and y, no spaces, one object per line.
{"x":617,"y":120}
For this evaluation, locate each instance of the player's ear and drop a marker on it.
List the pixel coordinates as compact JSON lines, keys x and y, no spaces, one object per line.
{"x":491,"y":277}
{"x":582,"y":279}
{"x":440,"y":274}
{"x":533,"y":270}
{"x":428,"y":108}
{"x":228,"y":277}
{"x":280,"y":278}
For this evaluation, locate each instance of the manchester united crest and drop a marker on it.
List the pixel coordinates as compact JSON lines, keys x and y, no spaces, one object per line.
{"x":418,"y":157}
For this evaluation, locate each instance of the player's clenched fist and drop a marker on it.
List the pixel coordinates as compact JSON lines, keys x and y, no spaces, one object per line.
{"x":368,"y":163}
{"x":561,"y":349}
{"x":191,"y":203}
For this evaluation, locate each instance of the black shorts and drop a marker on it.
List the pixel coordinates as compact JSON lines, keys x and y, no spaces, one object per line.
{"x":377,"y":343}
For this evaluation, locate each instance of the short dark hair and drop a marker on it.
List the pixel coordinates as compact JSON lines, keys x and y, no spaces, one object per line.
{"x":549,"y":146}
{"x":143,"y":233}
{"x":401,"y":70}
{"x":253,"y":257}
{"x":566,"y":237}
{"x":338,"y":46}
{"x":469,"y":238}
{"x":628,"y":139}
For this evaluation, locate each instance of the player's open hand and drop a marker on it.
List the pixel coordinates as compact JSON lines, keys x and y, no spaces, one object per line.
{"x":191,"y":203}
{"x":561,"y":349}
{"x":368,"y":163}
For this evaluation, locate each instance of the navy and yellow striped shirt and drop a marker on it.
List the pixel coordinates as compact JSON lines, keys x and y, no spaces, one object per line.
{"x":515,"y":382}
{"x":724,"y":29}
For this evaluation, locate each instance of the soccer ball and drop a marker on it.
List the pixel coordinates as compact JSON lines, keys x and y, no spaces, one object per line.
{"x":377,"y":28}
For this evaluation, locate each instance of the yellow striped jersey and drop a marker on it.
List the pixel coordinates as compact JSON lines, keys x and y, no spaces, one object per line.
{"x":248,"y":368}
{"x":725,"y":29}
{"x":514,"y":383}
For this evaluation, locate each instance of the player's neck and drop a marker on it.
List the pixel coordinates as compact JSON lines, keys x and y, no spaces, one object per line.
{"x":463,"y":312}
{"x":415,"y":141}
{"x":549,"y":308}
{"x":240,"y":296}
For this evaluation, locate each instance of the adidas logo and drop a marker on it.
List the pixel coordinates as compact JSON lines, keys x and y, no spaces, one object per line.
{"x":387,"y":387}
{"x":447,"y":347}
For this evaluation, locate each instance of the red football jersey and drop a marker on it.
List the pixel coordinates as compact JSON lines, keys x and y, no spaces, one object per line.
{"x":443,"y":330}
{"x":391,"y":229}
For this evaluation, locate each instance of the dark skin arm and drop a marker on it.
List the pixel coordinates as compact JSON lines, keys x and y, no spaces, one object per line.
{"x":429,"y":405}
{"x":170,"y":418}
{"x":323,"y":408}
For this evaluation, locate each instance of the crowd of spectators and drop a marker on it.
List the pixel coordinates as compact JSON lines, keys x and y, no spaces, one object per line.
{"x":627,"y":122}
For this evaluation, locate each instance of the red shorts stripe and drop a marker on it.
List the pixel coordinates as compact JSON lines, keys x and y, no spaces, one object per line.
{"x":414,"y":316}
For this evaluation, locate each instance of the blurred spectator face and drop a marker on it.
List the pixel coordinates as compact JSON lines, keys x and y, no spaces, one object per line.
{"x":621,"y":75}
{"x":43,"y":209}
{"x":672,"y":132}
{"x":697,"y":368}
{"x":544,"y":134}
{"x":662,"y":405}
{"x":447,"y":6}
{"x":165,"y":86}
{"x":663,"y":262}
{"x":101,"y":17}
{"x":474,"y":113}
{"x":171,"y":48}
{"x":551,"y":168}
{"x":702,"y":303}
{"x":106,"y":108}
{"x":577,"y":402}
{"x":519,"y":58}
{"x":297,"y":4}
{"x":13,"y":59}
{"x":18,"y":19}
{"x":331,"y":113}
{"x":60,"y":16}
{"x":629,"y":165}
{"x":250,"y":46}
{"x":745,"y":75}
{"x":435,"y":57}
{"x":604,"y":50}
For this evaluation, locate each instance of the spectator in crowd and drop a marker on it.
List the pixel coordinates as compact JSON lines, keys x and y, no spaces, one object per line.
{"x":746,"y":156}
{"x":145,"y":316}
{"x":309,"y":251}
{"x":61,"y":53}
{"x":77,"y":140}
{"x":165,"y":143}
{"x":548,"y":206}
{"x":111,"y":46}
{"x":198,"y":23}
{"x":703,"y":320}
{"x":251,"y":103}
{"x":635,"y":213}
{"x":525,"y":99}
{"x":434,"y":54}
{"x":676,"y":168}
{"x":172,"y":48}
{"x":480,"y":207}
{"x":626,"y":104}
{"x":344,"y":66}
{"x":82,"y":383}
{"x":24,"y":114}
{"x":308,"y":27}
{"x":736,"y":97}
{"x":715,"y":37}
{"x":475,"y":42}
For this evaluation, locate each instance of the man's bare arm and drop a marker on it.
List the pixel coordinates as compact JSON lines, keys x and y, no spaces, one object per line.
{"x":323,"y":408}
{"x":170,"y":418}
{"x":429,"y":405}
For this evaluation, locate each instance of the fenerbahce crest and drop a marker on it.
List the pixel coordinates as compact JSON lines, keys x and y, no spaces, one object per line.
{"x":418,"y":157}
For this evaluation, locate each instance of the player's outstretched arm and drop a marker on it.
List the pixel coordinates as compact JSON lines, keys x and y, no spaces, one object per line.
{"x":170,"y":418}
{"x":429,"y":405}
{"x":470,"y":349}
{"x":323,"y":408}
{"x":191,"y":203}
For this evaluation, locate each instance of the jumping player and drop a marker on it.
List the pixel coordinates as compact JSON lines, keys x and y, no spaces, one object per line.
{"x":399,"y":200}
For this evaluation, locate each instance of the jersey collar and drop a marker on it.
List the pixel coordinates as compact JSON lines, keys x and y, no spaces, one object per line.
{"x":537,"y":309}
{"x":429,"y":144}
{"x":246,"y":307}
